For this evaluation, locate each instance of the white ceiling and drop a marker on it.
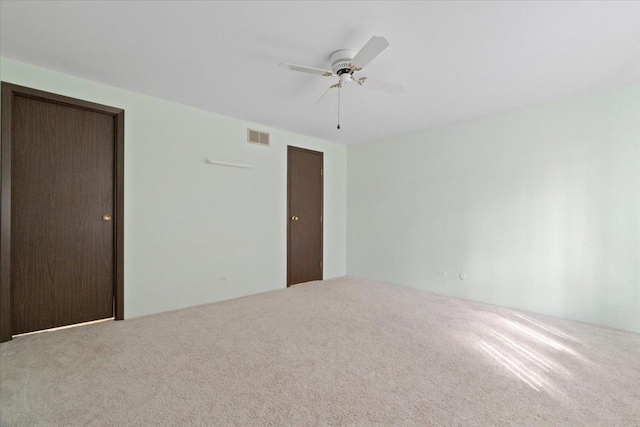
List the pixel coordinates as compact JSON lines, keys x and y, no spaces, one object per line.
{"x":456,"y":60}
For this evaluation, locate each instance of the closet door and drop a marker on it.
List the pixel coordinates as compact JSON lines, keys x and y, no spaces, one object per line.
{"x":62,"y":209}
{"x":305,"y":188}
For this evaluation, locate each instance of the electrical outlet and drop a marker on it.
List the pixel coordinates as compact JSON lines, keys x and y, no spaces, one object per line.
{"x":441,"y":274}
{"x":222,"y":279}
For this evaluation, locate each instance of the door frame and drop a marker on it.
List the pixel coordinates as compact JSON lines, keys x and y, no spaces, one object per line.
{"x":9,"y":92}
{"x":291,"y":148}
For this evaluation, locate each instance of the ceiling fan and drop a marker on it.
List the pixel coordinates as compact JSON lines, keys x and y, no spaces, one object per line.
{"x":345,"y":63}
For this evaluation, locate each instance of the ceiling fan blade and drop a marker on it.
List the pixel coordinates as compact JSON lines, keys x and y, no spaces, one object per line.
{"x":369,"y":52}
{"x":304,"y":69}
{"x":337,"y":85}
{"x":380,"y":85}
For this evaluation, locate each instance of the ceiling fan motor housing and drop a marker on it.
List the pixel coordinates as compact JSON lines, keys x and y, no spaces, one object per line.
{"x":341,"y":61}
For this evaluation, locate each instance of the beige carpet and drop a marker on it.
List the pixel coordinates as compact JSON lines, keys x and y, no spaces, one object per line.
{"x":341,"y":352}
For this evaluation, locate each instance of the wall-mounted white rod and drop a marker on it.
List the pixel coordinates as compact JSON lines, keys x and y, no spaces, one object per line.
{"x":231,"y":164}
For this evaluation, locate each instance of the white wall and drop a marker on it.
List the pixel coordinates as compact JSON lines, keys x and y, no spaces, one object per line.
{"x":187,"y":224}
{"x":539,"y":207}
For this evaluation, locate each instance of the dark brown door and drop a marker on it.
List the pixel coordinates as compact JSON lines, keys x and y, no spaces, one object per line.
{"x":305,"y":176}
{"x":62,"y":204}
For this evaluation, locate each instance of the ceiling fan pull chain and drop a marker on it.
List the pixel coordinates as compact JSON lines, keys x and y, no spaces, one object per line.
{"x":339,"y":89}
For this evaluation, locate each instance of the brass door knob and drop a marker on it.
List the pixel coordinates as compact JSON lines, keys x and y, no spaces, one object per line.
{"x":294,"y":218}
{"x":106,"y":217}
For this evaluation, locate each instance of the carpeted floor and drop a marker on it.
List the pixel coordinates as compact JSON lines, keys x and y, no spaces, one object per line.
{"x":341,"y":352}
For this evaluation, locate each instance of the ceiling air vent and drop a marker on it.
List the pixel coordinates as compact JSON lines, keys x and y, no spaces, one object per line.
{"x":257,"y":137}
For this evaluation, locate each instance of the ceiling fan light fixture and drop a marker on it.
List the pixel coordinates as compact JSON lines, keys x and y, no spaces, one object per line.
{"x":345,"y":78}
